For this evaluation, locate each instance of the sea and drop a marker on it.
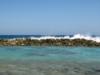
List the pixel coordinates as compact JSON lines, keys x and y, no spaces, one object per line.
{"x":48,"y":60}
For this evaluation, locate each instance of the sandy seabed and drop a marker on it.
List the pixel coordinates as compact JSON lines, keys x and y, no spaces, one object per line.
{"x":49,"y":68}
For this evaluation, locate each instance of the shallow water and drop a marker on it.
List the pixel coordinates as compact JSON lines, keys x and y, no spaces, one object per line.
{"x":79,"y":54}
{"x":28,"y":60}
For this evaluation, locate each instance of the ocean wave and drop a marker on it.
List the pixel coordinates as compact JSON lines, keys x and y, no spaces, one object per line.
{"x":76,"y":36}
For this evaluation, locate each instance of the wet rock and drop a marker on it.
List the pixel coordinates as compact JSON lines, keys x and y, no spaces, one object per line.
{"x":97,"y":70}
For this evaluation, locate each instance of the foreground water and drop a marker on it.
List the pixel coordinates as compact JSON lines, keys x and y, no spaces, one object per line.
{"x":49,"y":61}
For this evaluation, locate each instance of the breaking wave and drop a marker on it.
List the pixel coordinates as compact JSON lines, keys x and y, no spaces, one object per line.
{"x":76,"y":36}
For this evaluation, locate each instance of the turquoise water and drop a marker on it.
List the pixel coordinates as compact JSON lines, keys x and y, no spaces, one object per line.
{"x":83,"y":54}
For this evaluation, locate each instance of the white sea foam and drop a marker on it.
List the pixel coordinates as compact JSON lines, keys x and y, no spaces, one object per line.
{"x":86,"y":37}
{"x":76,"y":36}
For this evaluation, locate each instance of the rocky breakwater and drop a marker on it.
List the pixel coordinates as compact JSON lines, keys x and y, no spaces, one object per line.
{"x":50,"y":42}
{"x":76,"y":40}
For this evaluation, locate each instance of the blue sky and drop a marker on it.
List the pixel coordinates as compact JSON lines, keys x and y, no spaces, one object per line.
{"x":49,"y":17}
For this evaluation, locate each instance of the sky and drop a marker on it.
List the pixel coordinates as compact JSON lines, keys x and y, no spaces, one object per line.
{"x":49,"y":17}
